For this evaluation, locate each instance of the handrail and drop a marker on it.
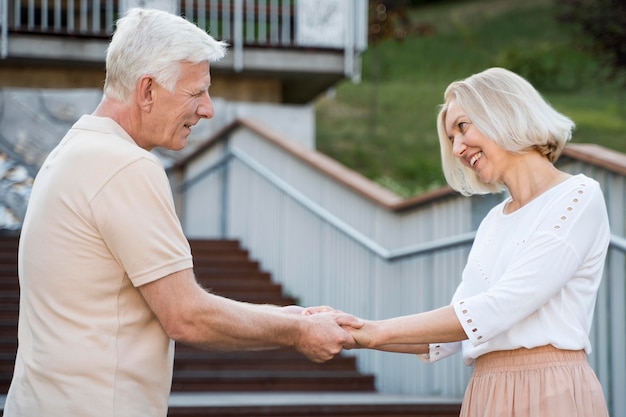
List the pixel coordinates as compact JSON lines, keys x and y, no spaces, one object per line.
{"x":617,"y":242}
{"x":312,"y":206}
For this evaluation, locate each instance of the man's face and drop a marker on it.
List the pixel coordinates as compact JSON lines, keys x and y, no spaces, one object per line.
{"x":173,"y":114}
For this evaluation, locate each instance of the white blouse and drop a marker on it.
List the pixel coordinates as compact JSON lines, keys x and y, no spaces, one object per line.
{"x":532,"y":276}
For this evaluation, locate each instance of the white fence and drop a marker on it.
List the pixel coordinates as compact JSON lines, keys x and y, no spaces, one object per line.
{"x":331,"y":237}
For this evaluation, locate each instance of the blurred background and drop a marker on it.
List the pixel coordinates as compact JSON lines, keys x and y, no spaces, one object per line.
{"x":573,"y":51}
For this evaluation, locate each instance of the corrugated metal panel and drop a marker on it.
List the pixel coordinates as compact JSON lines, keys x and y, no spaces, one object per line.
{"x":312,"y":233}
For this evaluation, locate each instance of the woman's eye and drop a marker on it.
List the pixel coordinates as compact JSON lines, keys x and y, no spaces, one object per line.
{"x":462,"y":126}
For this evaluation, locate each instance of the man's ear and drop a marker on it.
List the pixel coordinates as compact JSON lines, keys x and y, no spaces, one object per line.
{"x":145,"y":92}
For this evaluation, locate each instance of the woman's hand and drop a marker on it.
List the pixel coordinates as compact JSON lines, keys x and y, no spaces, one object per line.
{"x":361,"y":336}
{"x":309,"y":311}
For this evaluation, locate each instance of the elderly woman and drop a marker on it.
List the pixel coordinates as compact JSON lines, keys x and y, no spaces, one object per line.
{"x":523,"y":310}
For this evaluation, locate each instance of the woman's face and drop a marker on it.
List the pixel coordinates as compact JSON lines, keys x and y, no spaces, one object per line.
{"x":475,"y":150}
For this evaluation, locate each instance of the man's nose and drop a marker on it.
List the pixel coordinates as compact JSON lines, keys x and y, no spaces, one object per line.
{"x":205,"y":108}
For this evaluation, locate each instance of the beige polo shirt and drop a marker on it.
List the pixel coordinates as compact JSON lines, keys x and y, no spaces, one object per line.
{"x":100,"y":222}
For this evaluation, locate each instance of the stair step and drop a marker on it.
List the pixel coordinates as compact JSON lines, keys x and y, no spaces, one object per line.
{"x":260,"y":295}
{"x":7,"y":362}
{"x":9,"y":311}
{"x":224,"y":266}
{"x":8,"y":344}
{"x":249,"y":380}
{"x":5,"y":380}
{"x":7,"y":260}
{"x":245,"y":276}
{"x":226,"y":269}
{"x":221,"y":253}
{"x":197,"y":244}
{"x":8,"y":327}
{"x":193,"y":359}
{"x":9,"y":296}
{"x":8,"y":272}
{"x":239,"y":282}
{"x":217,"y":251}
{"x":321,"y":404}
{"x":260,"y":299}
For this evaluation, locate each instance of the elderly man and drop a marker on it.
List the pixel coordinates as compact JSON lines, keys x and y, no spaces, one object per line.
{"x":105,"y":270}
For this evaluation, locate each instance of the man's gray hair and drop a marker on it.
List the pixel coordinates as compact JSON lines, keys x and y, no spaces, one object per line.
{"x":154,"y":42}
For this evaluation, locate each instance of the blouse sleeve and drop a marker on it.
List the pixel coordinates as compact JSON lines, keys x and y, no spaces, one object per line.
{"x":573,"y":230}
{"x":438,"y":351}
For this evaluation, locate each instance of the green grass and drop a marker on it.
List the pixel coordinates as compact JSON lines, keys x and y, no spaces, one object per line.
{"x":384,"y":127}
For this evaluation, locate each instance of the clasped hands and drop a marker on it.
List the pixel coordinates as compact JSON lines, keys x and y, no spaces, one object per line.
{"x":369,"y":334}
{"x":360,"y":335}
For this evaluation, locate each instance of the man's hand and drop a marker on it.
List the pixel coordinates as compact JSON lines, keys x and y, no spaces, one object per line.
{"x":323,"y":335}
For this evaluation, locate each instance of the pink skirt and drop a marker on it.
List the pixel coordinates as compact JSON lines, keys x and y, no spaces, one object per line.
{"x":539,"y":382}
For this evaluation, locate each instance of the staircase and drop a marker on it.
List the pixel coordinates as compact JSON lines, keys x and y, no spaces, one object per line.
{"x":267,"y":383}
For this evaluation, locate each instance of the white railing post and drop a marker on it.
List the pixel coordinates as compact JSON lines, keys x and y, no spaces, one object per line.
{"x":30,"y":14}
{"x":44,"y":15}
{"x":348,"y":35}
{"x":238,"y":36}
{"x":286,"y":23}
{"x":274,"y":23}
{"x":4,"y":32}
{"x":201,"y":14}
{"x":57,"y":15}
{"x":262,"y":22}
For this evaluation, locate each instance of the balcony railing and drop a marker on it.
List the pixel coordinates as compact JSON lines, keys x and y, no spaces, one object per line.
{"x":328,"y":24}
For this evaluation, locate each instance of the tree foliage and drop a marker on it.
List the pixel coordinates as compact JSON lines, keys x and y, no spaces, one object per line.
{"x":388,"y":19}
{"x":603,"y":25}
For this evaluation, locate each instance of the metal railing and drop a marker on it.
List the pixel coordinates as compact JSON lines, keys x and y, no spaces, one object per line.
{"x":327,"y":245}
{"x":616,"y":242}
{"x":329,"y":218}
{"x":266,"y":21}
{"x":332,"y":24}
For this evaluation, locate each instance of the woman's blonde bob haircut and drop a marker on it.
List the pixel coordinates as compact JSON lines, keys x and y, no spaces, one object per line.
{"x":508,"y":110}
{"x":153,"y":42}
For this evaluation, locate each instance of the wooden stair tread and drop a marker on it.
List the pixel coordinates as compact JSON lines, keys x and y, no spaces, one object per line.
{"x":322,"y":404}
{"x":225,"y":268}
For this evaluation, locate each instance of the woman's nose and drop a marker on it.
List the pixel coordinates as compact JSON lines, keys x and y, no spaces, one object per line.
{"x":458,"y":147}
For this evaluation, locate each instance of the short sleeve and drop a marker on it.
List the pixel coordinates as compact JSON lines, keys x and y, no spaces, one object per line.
{"x":134,"y":213}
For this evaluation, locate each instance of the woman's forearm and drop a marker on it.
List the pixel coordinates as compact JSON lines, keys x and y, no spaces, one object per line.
{"x":411,"y":333}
